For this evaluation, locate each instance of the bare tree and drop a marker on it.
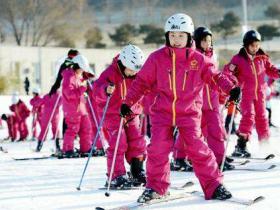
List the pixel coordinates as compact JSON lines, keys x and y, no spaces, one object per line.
{"x":36,"y":20}
{"x":14,"y":13}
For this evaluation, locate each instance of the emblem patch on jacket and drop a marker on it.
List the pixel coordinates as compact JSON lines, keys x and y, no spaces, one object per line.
{"x":194,"y":65}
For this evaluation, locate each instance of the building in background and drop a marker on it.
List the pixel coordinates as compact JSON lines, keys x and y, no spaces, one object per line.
{"x":38,"y":64}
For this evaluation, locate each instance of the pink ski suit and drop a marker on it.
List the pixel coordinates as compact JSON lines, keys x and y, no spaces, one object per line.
{"x":75,"y":113}
{"x":37,"y":112}
{"x":211,"y":123}
{"x":132,"y":143}
{"x":49,"y":103}
{"x":251,"y":77}
{"x":178,"y":77}
{"x":21,"y":113}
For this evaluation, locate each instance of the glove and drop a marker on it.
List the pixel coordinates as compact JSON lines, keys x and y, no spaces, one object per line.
{"x":87,"y":75}
{"x":235,"y":94}
{"x":125,"y":110}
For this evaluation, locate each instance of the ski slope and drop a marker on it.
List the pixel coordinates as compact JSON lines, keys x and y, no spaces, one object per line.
{"x":50,"y":184}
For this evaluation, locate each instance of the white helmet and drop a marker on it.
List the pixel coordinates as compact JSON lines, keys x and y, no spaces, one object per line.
{"x":15,"y":97}
{"x":82,"y":61}
{"x":36,"y":90}
{"x":179,"y":22}
{"x":132,"y":57}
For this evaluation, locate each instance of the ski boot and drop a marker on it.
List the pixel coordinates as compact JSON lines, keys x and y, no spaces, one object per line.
{"x":227,"y":166}
{"x":120,"y":182}
{"x":57,"y":145}
{"x":39,"y":146}
{"x":241,"y":149}
{"x":98,"y":152}
{"x":150,"y":194}
{"x":137,"y":172}
{"x":221,"y":193}
{"x":181,"y":164}
{"x":229,"y":160}
{"x":69,"y":154}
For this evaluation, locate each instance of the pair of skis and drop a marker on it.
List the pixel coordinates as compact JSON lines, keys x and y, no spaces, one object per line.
{"x":248,"y":159}
{"x":186,"y":194}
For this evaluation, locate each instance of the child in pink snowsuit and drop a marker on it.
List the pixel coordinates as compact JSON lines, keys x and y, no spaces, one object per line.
{"x":12,"y":126}
{"x":74,"y":107}
{"x":49,"y":102}
{"x":21,"y":113}
{"x":211,"y":123}
{"x":37,"y":111}
{"x":178,"y":74}
{"x":116,"y":80}
{"x":250,"y":66}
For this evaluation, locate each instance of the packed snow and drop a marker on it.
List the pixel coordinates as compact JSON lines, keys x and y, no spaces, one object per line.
{"x":51,"y":183}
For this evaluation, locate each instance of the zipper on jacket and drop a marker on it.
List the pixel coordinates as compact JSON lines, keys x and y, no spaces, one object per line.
{"x":169,"y":77}
{"x":123,"y":89}
{"x":185,"y":78}
{"x":256,"y":79}
{"x":174,"y":88}
{"x":208,"y":97}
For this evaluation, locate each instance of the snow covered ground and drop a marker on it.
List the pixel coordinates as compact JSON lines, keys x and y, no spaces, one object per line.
{"x":51,"y":183}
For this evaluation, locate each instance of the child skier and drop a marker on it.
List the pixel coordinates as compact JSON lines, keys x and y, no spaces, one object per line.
{"x":116,"y":81}
{"x":49,"y":103}
{"x":12,"y":126}
{"x":212,"y":124}
{"x":37,"y":111}
{"x":21,"y":113}
{"x":250,"y":66}
{"x":74,"y":107}
{"x":178,"y":73}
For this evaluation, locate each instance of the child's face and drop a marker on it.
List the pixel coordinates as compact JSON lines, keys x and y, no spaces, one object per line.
{"x":206,"y":42}
{"x":254,"y":47}
{"x":79,"y":71}
{"x":178,"y":39}
{"x":128,"y":72}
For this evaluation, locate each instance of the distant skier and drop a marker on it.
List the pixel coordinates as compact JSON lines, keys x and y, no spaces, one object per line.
{"x":21,"y":113}
{"x":250,"y":66}
{"x":49,"y":102}
{"x":37,"y":110}
{"x":12,"y":126}
{"x":26,"y":85}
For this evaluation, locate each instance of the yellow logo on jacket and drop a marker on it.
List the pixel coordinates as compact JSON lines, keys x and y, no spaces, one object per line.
{"x":194,"y":65}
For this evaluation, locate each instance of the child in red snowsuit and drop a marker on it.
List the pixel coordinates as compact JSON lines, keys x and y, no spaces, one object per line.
{"x":21,"y":113}
{"x":12,"y":126}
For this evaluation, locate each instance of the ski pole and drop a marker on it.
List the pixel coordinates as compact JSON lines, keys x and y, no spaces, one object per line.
{"x":96,"y":124}
{"x":228,"y":136}
{"x":107,"y":193}
{"x":95,"y":139}
{"x":33,"y":129}
{"x":56,"y":138}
